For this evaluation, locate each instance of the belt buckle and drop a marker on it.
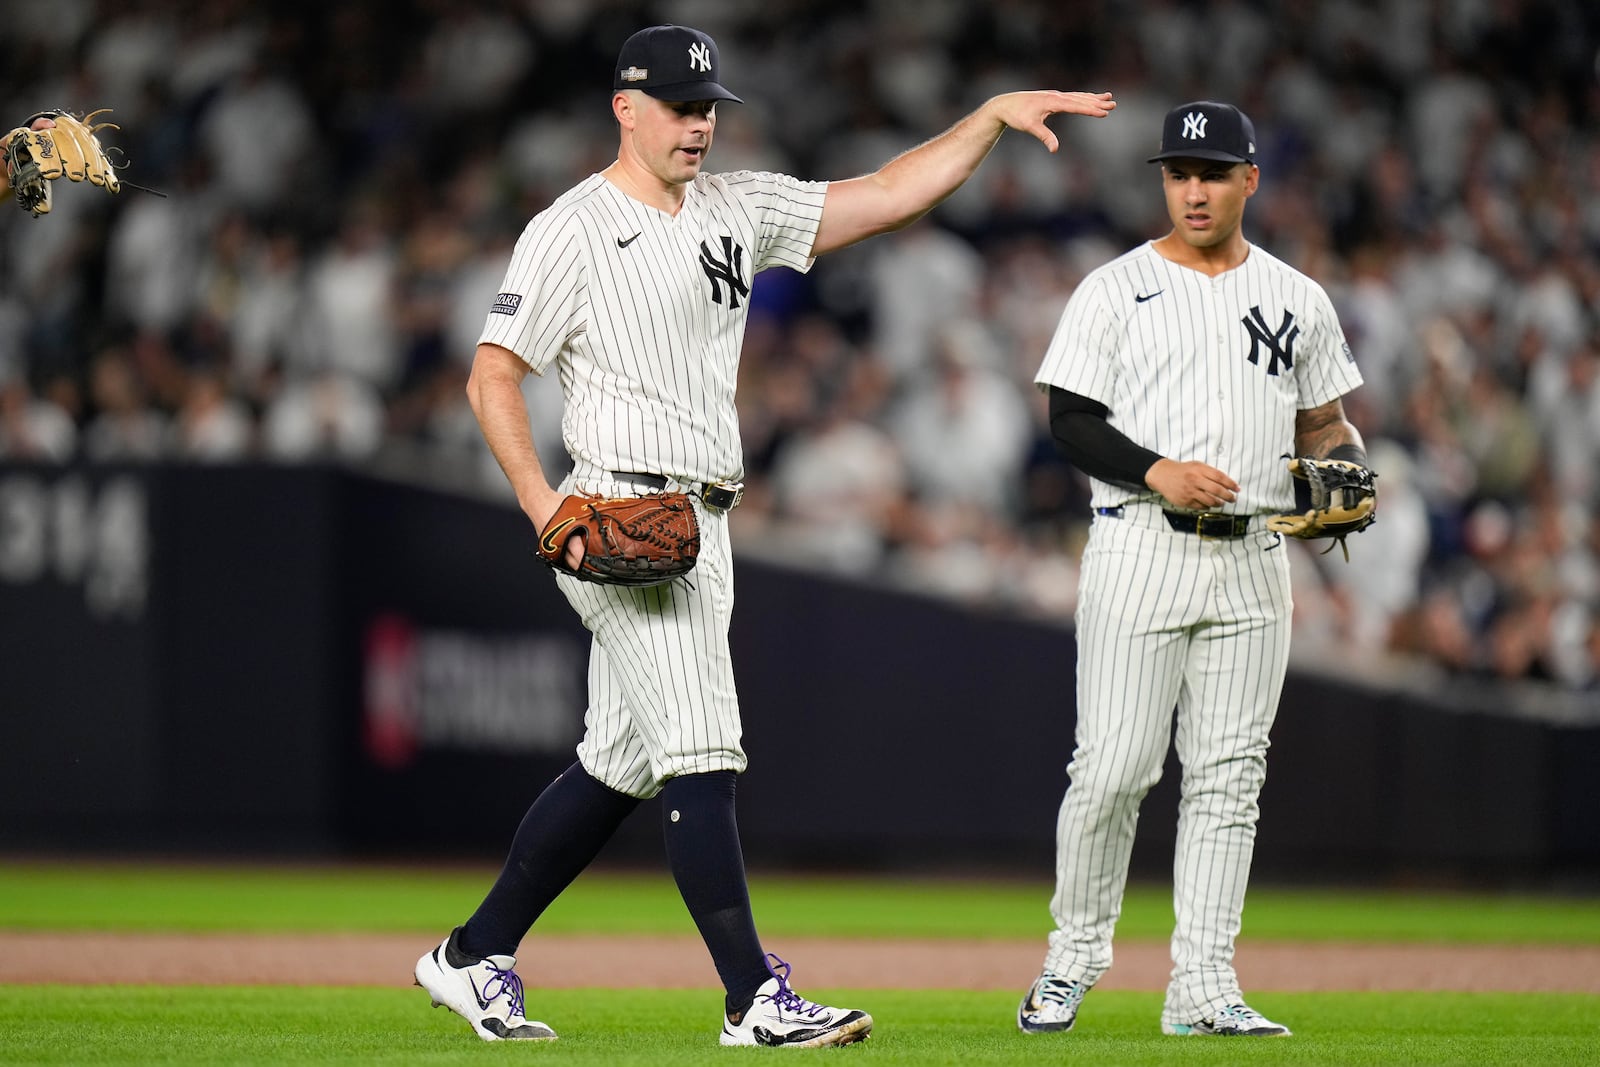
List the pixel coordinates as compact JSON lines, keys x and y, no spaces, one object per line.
{"x":1204,"y":517}
{"x":724,"y":496}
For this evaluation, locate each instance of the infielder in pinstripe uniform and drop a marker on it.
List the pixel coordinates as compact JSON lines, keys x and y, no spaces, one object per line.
{"x":634,"y":288}
{"x":1181,"y":377}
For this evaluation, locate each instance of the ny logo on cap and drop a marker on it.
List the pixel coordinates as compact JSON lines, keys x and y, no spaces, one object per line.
{"x":700,"y":57}
{"x":1194,"y":126}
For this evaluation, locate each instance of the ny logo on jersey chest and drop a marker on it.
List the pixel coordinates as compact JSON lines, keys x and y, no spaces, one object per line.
{"x":727,"y":271}
{"x":1279,"y":342}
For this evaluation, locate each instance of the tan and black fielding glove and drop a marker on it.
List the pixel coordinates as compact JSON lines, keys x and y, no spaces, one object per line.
{"x":71,"y":149}
{"x":1343,"y":497}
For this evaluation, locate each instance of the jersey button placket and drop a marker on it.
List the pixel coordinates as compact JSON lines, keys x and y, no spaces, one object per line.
{"x":1219,"y":414}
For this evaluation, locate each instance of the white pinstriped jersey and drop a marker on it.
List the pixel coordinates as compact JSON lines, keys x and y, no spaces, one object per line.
{"x":1200,"y":368}
{"x":644,"y":313}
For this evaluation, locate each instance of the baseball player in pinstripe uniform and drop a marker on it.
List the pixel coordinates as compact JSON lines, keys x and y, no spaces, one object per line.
{"x":634,"y":288}
{"x":1181,"y":378}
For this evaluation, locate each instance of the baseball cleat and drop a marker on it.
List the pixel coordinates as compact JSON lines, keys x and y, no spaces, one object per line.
{"x":487,"y":992}
{"x":1051,"y":1005}
{"x":780,"y":1017}
{"x":1236,"y":1020}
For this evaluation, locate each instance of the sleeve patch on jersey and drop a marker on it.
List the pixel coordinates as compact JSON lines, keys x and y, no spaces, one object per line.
{"x":506,"y":304}
{"x":1349,"y":356}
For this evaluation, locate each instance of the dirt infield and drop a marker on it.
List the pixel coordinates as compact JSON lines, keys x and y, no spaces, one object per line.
{"x":681,"y":963}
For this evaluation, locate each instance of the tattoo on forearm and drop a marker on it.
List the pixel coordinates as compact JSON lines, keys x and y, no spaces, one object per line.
{"x":1321,"y":430}
{"x":1325,"y":439}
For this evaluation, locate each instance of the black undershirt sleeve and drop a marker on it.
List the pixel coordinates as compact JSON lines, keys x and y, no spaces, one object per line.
{"x":1093,"y":445}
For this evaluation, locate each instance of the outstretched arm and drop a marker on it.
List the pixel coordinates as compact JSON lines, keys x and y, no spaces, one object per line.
{"x":914,"y":182}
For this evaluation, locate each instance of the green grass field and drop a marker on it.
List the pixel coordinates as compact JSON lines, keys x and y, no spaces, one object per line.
{"x":238,"y":1025}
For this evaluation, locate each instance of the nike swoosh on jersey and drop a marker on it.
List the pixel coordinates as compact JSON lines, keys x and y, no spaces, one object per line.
{"x":1139,"y":298}
{"x":624,"y":242}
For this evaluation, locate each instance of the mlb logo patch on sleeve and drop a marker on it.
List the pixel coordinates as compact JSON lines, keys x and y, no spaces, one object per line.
{"x":506,"y":304}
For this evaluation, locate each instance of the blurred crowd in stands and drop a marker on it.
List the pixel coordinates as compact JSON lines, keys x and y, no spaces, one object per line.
{"x":344,"y":183}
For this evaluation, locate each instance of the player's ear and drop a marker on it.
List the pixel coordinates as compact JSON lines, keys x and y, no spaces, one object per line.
{"x":622,"y":108}
{"x":1252,"y":179}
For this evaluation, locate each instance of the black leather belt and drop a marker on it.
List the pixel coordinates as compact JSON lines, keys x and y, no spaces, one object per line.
{"x":1207,"y":524}
{"x":724,"y":496}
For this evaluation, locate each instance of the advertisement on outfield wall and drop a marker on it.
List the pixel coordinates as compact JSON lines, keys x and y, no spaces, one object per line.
{"x":427,"y":688}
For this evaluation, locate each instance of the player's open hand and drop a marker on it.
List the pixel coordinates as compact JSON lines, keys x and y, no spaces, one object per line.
{"x":1027,"y":111}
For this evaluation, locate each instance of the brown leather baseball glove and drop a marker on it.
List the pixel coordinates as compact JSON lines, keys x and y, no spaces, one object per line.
{"x":35,"y":158}
{"x":1343,"y":498}
{"x":637,"y":541}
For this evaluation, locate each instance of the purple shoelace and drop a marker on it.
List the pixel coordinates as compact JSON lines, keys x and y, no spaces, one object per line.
{"x":787,"y":998}
{"x":507,"y":983}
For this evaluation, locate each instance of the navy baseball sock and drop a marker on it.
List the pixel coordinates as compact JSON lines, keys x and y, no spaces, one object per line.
{"x":562,"y":833}
{"x":702,"y":835}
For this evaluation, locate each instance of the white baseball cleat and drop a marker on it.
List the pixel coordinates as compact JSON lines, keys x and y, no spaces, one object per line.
{"x":1236,"y":1020}
{"x":1051,"y":1005}
{"x":780,"y":1017}
{"x":487,"y":992}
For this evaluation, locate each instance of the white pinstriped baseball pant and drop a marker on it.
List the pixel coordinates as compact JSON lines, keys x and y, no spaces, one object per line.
{"x":1170,"y":621}
{"x":662,"y":700}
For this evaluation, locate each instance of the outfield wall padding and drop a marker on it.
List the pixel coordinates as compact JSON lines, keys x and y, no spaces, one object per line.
{"x":257,"y":659}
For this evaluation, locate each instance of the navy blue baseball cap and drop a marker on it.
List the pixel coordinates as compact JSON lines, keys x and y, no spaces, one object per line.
{"x":1206,"y":129}
{"x":671,"y":63}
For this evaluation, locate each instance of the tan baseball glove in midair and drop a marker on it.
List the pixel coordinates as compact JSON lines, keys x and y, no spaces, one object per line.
{"x":36,"y":158}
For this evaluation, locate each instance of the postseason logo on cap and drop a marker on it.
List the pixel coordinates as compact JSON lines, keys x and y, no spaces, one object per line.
{"x":635,"y":74}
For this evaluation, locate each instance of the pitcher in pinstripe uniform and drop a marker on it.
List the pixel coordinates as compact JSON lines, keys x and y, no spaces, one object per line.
{"x":1181,"y":378}
{"x":634,"y":288}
